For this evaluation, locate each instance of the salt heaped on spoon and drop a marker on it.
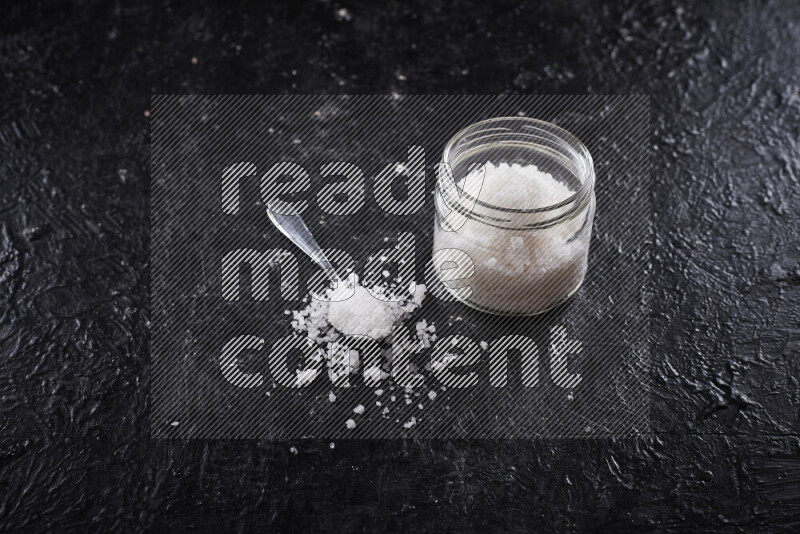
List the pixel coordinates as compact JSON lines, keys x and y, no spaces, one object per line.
{"x":372,"y":313}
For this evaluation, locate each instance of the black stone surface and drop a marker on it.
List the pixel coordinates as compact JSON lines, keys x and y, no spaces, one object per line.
{"x":76,"y":80}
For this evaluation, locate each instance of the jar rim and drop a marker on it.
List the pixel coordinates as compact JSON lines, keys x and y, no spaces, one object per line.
{"x":578,"y":197}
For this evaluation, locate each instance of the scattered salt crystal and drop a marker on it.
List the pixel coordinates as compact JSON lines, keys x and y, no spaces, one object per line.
{"x":410,"y":423}
{"x":293,"y":450}
{"x":419,"y":293}
{"x":379,"y":392}
{"x":484,"y":345}
{"x":432,"y":394}
{"x":350,"y":424}
{"x":332,"y":445}
{"x":306,"y":377}
{"x":375,"y":374}
{"x":354,"y":359}
{"x":331,"y":397}
{"x":342,"y":14}
{"x":443,"y":362}
{"x":359,"y":409}
{"x":424,"y":333}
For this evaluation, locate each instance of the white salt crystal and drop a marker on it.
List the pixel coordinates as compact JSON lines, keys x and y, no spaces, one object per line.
{"x":350,"y":424}
{"x":373,"y":374}
{"x":422,"y":332}
{"x":354,"y":360}
{"x":359,"y":409}
{"x":410,"y":423}
{"x":432,"y":394}
{"x":305,"y":377}
{"x":331,"y":397}
{"x":443,"y":362}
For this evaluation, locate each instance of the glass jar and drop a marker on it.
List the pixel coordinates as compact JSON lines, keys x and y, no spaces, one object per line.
{"x":515,"y":236}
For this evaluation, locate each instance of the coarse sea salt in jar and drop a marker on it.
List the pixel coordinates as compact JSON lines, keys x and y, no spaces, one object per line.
{"x":514,"y":209}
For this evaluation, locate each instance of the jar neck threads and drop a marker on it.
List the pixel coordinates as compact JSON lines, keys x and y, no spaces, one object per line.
{"x":516,"y":141}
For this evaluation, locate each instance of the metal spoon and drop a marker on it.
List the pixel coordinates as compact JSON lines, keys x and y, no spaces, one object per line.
{"x":294,"y":227}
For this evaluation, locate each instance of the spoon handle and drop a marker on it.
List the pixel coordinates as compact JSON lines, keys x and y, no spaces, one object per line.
{"x":293,"y":227}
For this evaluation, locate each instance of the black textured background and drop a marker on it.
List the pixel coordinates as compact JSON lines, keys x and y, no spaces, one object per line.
{"x":75,"y":82}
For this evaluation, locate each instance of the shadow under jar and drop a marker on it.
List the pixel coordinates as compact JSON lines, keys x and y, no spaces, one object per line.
{"x":514,"y":209}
